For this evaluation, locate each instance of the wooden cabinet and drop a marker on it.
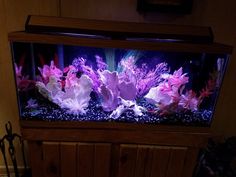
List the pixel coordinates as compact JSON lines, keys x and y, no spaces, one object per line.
{"x":105,"y":159}
{"x":112,"y":150}
{"x":151,"y":161}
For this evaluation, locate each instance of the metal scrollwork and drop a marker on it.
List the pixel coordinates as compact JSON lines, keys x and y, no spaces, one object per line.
{"x":9,"y":139}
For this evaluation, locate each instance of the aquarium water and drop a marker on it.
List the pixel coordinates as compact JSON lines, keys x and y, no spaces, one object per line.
{"x":76,"y":83}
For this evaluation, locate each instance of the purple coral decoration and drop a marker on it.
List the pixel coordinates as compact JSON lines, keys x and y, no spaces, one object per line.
{"x":146,"y":79}
{"x":32,"y":103}
{"x":109,"y":100}
{"x":130,"y":83}
{"x":113,"y":88}
{"x":127,"y":90}
{"x":100,"y":63}
{"x":189,"y":101}
{"x":108,"y":91}
{"x":142,"y":77}
{"x":80,"y":64}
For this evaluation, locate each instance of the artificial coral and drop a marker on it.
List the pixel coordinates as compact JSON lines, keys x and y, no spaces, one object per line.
{"x":118,"y":91}
{"x":69,"y":92}
{"x":169,"y":95}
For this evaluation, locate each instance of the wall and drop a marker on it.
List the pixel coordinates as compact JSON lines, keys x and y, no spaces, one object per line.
{"x":218,"y":14}
{"x":12,"y":18}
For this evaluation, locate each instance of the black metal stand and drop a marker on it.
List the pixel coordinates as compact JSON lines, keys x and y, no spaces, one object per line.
{"x":9,"y":138}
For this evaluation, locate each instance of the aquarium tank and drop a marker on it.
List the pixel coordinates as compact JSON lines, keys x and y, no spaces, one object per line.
{"x":57,"y":82}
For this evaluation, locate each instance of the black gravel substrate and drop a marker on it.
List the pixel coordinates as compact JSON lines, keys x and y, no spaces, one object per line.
{"x":50,"y":112}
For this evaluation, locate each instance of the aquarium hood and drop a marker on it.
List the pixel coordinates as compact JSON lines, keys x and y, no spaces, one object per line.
{"x":119,"y":30}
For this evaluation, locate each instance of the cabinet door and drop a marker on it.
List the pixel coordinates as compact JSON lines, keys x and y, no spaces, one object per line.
{"x":151,"y":161}
{"x":62,"y":159}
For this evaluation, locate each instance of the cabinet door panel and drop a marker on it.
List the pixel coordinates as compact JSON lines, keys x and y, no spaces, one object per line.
{"x":85,"y":160}
{"x":62,"y":159}
{"x":151,"y":161}
{"x":143,"y":157}
{"x":68,"y":161}
{"x":160,"y":160}
{"x":190,"y":162}
{"x":176,"y":162}
{"x":36,"y":158}
{"x":127,"y":160}
{"x":102,"y":153}
{"x":51,"y":160}
{"x":93,"y":159}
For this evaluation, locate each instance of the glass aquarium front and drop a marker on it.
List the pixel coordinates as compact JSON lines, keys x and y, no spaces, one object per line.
{"x":77,"y":83}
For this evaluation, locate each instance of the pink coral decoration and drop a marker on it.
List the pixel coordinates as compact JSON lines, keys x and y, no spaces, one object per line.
{"x":18,"y":70}
{"x":189,"y":101}
{"x":48,"y":71}
{"x":168,"y":94}
{"x":71,"y":78}
{"x":177,"y":79}
{"x":23,"y":83}
{"x":69,"y":92}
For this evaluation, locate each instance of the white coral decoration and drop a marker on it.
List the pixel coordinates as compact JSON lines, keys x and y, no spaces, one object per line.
{"x":156,"y":96}
{"x":75,"y":98}
{"x":127,"y":105}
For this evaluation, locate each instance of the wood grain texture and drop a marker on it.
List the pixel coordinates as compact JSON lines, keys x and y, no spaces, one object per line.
{"x":72,"y":8}
{"x":51,"y":159}
{"x":117,"y":136}
{"x":128,"y":157}
{"x":115,"y":160}
{"x":190,"y":162}
{"x":152,"y":161}
{"x":109,"y":10}
{"x":157,"y":46}
{"x":111,"y":125}
{"x":85,"y":160}
{"x":176,"y":162}
{"x":36,"y":158}
{"x":130,"y":28}
{"x":68,"y":159}
{"x":105,"y":160}
{"x":160,"y":161}
{"x":102,"y":161}
{"x":49,"y":7}
{"x":143,"y":157}
{"x":8,"y":106}
{"x":17,"y":13}
{"x":87,"y":9}
{"x":149,"y":161}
